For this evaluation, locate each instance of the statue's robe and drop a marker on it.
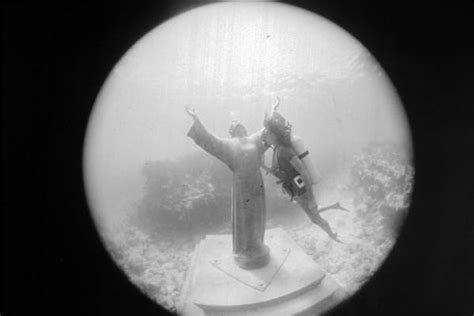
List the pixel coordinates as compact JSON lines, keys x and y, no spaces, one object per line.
{"x":243,"y":156}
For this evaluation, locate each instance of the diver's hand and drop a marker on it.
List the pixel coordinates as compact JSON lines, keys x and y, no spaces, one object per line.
{"x":276,"y":105}
{"x":191,"y":112}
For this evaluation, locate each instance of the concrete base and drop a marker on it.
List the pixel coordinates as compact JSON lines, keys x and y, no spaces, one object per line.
{"x":291,"y":284}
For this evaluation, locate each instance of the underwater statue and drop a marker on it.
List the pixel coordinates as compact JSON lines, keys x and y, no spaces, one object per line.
{"x":243,"y":155}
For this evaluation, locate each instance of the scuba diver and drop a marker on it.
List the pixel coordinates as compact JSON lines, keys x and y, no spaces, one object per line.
{"x":292,"y":166}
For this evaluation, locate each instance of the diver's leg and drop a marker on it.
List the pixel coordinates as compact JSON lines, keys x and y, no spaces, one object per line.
{"x":310,"y":201}
{"x":305,"y":201}
{"x":321,"y":222}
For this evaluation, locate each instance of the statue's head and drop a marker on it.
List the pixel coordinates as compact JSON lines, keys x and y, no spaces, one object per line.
{"x":237,"y":130}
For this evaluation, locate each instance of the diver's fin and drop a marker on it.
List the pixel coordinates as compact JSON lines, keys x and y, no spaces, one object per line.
{"x":335,"y":206}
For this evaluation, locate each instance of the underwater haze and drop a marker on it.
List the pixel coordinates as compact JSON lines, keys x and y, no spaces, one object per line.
{"x":229,"y":61}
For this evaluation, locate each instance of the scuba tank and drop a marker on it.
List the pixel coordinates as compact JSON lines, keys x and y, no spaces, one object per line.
{"x":303,"y":155}
{"x":290,"y":179}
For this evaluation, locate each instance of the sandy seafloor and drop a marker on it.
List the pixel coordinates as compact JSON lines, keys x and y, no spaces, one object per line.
{"x":158,"y":263}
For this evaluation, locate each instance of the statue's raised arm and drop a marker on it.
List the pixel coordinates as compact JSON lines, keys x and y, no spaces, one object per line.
{"x":221,"y":148}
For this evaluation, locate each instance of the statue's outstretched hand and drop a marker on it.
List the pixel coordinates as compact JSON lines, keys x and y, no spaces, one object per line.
{"x":191,"y":112}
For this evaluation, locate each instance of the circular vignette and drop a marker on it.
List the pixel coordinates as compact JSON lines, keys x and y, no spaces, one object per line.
{"x":229,"y":61}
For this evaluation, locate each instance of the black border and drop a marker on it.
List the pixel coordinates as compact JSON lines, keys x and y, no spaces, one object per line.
{"x":55,"y":58}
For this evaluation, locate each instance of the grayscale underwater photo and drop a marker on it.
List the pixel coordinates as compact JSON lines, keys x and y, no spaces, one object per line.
{"x":248,"y":158}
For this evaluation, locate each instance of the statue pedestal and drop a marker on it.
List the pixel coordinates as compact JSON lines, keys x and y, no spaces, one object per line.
{"x":290,"y":284}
